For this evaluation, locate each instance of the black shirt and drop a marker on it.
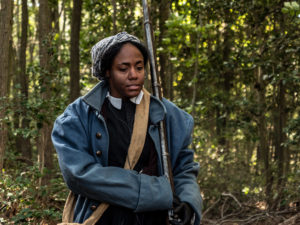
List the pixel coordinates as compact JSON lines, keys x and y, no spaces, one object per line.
{"x":120,"y":127}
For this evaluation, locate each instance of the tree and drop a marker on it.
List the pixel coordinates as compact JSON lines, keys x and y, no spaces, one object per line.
{"x":74,"y":50}
{"x":5,"y":40}
{"x":164,"y":12}
{"x":45,"y":149}
{"x":114,"y":16}
{"x":24,"y":142}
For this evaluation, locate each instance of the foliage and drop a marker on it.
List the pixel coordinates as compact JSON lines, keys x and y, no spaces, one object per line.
{"x":234,"y":65}
{"x":23,"y":200}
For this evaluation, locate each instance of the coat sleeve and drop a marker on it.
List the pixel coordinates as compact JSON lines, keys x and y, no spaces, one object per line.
{"x":87,"y":177}
{"x":185,"y":170}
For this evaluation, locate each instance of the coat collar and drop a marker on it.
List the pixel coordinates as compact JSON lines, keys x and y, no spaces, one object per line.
{"x":97,"y":95}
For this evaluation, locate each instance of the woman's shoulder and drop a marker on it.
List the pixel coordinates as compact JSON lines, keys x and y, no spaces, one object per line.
{"x":174,"y":111}
{"x":77,"y":108}
{"x":175,"y":117}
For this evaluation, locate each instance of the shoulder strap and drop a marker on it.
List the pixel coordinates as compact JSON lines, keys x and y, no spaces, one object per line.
{"x":135,"y":149}
{"x":139,"y":132}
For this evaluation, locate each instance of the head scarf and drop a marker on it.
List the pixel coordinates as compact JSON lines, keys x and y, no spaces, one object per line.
{"x":101,"y":48}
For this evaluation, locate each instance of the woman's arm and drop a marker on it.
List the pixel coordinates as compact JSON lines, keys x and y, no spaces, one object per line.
{"x":85,"y":176}
{"x":185,"y":171}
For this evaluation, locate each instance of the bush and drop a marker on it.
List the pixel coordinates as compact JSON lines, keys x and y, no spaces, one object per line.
{"x":24,"y":201}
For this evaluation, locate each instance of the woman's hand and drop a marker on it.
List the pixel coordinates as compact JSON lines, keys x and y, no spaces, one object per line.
{"x":183,"y":213}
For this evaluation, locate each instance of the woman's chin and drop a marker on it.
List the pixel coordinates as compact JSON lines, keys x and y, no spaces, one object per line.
{"x":132,"y":93}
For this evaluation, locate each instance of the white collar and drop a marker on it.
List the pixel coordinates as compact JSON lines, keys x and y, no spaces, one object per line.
{"x":117,"y":102}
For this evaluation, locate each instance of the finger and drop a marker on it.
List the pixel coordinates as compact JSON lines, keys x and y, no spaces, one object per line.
{"x":175,"y":222}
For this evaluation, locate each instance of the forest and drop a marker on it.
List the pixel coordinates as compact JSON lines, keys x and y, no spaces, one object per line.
{"x":233,"y":65}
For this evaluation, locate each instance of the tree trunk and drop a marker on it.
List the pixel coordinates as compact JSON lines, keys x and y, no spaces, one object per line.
{"x":263,"y":148}
{"x":164,"y":12}
{"x":45,"y":149}
{"x":279,"y":138}
{"x":12,"y":66}
{"x":170,"y":69}
{"x":55,"y":15}
{"x":33,"y":37}
{"x":17,"y":22}
{"x":226,"y":77}
{"x":24,"y":143}
{"x":15,"y":77}
{"x":5,"y":38}
{"x":196,"y":66}
{"x":74,"y":51}
{"x":114,"y":16}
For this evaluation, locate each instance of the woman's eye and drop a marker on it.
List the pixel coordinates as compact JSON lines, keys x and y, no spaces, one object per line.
{"x":122,"y":69}
{"x":140,"y":68}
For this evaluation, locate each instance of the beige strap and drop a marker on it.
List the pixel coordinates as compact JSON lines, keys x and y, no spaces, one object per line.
{"x":134,"y":152}
{"x":139,"y":132}
{"x":68,"y":213}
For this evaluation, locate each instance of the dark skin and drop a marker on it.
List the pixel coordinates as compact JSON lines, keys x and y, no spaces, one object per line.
{"x":127,"y":73}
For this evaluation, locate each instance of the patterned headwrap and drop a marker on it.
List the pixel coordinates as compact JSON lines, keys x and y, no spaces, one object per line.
{"x":102,"y":47}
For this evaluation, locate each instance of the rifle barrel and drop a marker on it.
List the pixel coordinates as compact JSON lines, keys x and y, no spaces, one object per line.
{"x":157,"y":93}
{"x":149,"y":41}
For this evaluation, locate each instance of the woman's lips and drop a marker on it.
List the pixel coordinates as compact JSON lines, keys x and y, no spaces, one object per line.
{"x":133,"y":87}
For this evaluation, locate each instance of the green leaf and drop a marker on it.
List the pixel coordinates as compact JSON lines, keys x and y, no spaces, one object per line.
{"x":284,"y":10}
{"x":287,"y":4}
{"x":295,"y":6}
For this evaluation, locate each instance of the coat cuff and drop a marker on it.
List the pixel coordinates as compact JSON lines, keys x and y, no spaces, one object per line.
{"x":155,"y":194}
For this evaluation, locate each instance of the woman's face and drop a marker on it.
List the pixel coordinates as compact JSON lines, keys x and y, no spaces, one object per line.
{"x":126,"y":76}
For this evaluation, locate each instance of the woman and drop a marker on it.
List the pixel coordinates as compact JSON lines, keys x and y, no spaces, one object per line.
{"x":96,"y":134}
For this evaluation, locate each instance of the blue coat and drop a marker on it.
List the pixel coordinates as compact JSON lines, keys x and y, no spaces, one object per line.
{"x":81,"y":140}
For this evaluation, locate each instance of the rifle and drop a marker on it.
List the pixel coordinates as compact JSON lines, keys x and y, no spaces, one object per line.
{"x":156,"y":88}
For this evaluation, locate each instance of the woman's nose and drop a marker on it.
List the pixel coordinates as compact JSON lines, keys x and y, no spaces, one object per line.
{"x":132,"y":73}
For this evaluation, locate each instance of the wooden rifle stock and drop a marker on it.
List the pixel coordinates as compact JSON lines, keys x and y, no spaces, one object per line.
{"x":157,"y":93}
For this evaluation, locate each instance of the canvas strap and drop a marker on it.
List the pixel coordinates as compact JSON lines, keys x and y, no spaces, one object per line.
{"x":134,"y":152}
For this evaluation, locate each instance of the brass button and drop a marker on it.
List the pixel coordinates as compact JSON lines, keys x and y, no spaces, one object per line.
{"x":99,"y":153}
{"x":98,"y":135}
{"x":93,"y":207}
